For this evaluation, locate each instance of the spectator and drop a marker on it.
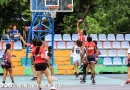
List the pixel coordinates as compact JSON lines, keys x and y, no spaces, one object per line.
{"x":8,"y":31}
{"x":14,"y":34}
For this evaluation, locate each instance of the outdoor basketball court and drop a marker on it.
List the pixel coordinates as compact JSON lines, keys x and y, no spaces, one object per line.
{"x":68,"y":82}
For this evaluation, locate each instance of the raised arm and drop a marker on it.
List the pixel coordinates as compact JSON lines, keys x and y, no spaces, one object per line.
{"x":79,"y":24}
{"x":24,"y":41}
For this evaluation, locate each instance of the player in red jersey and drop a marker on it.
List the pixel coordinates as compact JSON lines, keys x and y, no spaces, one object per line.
{"x":81,"y":37}
{"x":41,"y":65}
{"x":33,"y":46}
{"x":128,"y":64}
{"x":91,"y":48}
{"x":81,"y":34}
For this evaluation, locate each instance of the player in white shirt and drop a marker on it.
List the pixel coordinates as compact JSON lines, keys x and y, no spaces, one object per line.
{"x":49,"y":55}
{"x":128,"y":64}
{"x":77,"y":52}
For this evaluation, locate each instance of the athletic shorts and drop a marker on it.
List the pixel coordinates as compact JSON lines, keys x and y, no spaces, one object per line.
{"x":91,"y":58}
{"x":6,"y":67}
{"x":76,"y":59}
{"x":41,"y":66}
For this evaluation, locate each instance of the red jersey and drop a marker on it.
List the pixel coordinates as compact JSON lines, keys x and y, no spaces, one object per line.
{"x":90,"y":47}
{"x":38,"y":58}
{"x":81,"y":37}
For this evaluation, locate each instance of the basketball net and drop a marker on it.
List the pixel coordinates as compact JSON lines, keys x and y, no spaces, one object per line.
{"x":53,"y":10}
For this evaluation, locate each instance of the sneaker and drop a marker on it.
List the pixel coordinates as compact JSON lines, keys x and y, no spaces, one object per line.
{"x":34,"y":78}
{"x":40,"y":88}
{"x":93,"y":81}
{"x":76,"y":76}
{"x":54,"y":78}
{"x":83,"y":81}
{"x":53,"y":88}
{"x":4,"y":85}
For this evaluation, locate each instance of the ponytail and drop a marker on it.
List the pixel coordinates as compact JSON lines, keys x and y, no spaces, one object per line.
{"x":37,"y":50}
{"x":5,"y":50}
{"x":8,"y":46}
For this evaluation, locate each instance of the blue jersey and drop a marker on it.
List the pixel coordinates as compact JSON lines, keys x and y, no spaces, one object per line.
{"x":14,"y":32}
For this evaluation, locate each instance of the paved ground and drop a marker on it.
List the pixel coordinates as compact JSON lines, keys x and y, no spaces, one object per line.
{"x":68,"y":82}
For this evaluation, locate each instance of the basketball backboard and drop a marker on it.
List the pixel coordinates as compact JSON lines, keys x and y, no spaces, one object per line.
{"x":42,"y":5}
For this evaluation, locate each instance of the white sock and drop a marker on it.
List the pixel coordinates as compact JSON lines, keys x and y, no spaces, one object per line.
{"x":53,"y":76}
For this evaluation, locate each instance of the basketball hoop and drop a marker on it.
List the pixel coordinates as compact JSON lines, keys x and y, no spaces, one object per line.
{"x":53,"y":10}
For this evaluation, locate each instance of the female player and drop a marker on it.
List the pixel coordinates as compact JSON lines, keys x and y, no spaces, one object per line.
{"x":49,"y":54}
{"x":32,"y":45}
{"x":128,"y":61}
{"x":77,"y":52}
{"x":90,"y":54}
{"x":7,"y":63}
{"x":81,"y":37}
{"x":81,"y":34}
{"x":97,"y":53}
{"x":40,"y":64}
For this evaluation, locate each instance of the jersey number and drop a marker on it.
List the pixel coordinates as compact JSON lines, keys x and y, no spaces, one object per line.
{"x":77,"y":51}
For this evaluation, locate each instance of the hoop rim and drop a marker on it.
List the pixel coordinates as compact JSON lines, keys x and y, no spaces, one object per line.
{"x":53,"y":8}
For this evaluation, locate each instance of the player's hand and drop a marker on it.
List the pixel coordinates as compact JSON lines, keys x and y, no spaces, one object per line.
{"x":80,"y":20}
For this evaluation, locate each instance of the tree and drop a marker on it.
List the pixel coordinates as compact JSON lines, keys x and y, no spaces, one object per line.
{"x":13,"y":12}
{"x":106,"y":16}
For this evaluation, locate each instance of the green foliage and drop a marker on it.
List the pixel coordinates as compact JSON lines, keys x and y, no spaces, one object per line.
{"x":12,"y":12}
{"x":106,"y":16}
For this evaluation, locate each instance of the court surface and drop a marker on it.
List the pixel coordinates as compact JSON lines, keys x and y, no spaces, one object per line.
{"x":68,"y":82}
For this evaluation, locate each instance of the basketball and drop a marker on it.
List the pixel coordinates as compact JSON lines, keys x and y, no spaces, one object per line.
{"x":70,"y":6}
